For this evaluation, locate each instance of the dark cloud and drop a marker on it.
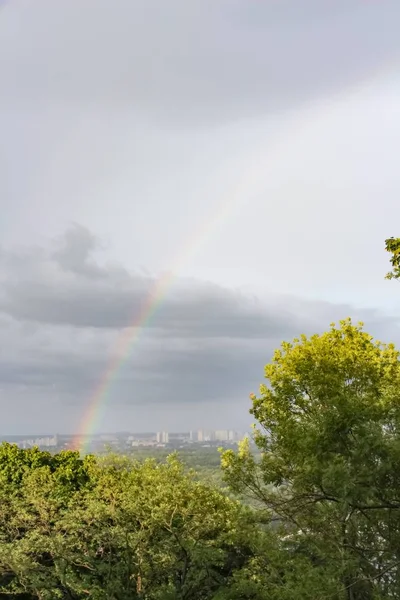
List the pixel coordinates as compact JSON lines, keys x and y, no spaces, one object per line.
{"x":70,"y":288}
{"x":66,"y":286}
{"x":75,"y":250}
{"x":60,"y":329}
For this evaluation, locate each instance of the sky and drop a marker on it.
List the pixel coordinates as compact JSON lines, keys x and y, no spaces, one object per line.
{"x":245,"y":152}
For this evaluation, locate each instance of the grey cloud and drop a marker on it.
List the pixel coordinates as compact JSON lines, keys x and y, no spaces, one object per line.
{"x":191,"y":62}
{"x":193,"y":365}
{"x":61,"y":360}
{"x":74,"y":252}
{"x":70,"y":288}
{"x":157,"y":372}
{"x":66,"y":284}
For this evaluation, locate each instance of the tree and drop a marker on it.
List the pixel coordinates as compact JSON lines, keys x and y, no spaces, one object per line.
{"x":114,"y":529}
{"x":36,"y":488}
{"x":392,"y":245}
{"x":329,"y":433}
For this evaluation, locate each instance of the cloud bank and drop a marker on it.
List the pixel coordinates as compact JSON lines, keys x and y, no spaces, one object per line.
{"x":63,"y":310}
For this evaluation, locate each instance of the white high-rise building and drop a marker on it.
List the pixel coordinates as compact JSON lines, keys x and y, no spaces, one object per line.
{"x":221,"y":435}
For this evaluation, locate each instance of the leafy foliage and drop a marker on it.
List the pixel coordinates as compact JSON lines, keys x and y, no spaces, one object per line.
{"x":115,"y":529}
{"x":329,"y":435}
{"x":392,"y":245}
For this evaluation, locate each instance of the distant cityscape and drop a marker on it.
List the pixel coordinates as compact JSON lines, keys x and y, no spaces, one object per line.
{"x":127,"y":440}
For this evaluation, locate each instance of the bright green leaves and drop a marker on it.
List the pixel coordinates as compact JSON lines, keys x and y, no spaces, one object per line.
{"x":114,"y":529}
{"x":68,"y":469}
{"x":331,"y":381}
{"x":329,"y":436}
{"x":392,"y":245}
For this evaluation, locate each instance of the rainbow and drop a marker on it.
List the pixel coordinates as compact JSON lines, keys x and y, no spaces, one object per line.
{"x":228,"y":204}
{"x":130,"y":335}
{"x":127,"y":339}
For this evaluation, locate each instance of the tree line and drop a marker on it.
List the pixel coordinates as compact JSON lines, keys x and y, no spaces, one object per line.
{"x":323,"y":521}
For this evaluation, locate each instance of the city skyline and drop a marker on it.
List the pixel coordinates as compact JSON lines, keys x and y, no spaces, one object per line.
{"x":126,"y":441}
{"x":137,"y":432}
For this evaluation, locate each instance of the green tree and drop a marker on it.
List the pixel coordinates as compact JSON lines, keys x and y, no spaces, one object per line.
{"x":329,"y":424}
{"x":392,"y":245}
{"x":36,"y":488}
{"x":114,"y":529}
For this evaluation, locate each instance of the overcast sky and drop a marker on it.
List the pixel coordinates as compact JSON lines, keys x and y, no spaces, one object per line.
{"x":250,"y":147}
